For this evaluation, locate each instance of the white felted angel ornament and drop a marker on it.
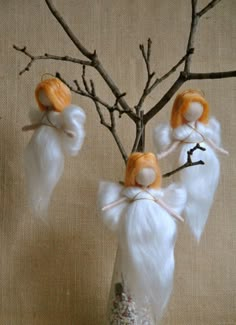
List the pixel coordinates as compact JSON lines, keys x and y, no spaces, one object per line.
{"x":190,"y":125}
{"x":59,"y":131}
{"x":144,"y":218}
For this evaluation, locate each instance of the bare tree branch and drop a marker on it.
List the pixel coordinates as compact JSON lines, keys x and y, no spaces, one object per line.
{"x":86,"y":87}
{"x":192,"y":32}
{"x":211,"y":75}
{"x":78,"y":90}
{"x":81,"y":92}
{"x":164,"y":100}
{"x":146,"y":56}
{"x":172,"y":70}
{"x":94,"y":60}
{"x":210,"y":5}
{"x":46,"y":56}
{"x":139,"y":142}
{"x":120,"y":105}
{"x":90,"y":92}
{"x":68,"y":31}
{"x":189,"y":162}
{"x":137,"y":139}
{"x":111,"y":127}
{"x":147,"y":90}
{"x":194,"y":22}
{"x":186,"y":74}
{"x":115,"y":107}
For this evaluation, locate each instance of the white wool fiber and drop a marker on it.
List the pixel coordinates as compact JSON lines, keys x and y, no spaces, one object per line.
{"x":72,"y":119}
{"x":44,"y":155}
{"x":200,"y":181}
{"x":44,"y":163}
{"x":162,"y":137}
{"x":146,"y":234}
{"x":110,"y":192}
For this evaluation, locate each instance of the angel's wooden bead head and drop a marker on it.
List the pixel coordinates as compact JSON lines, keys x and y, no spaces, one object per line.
{"x":143,"y":170}
{"x":189,"y":99}
{"x":52,"y":94}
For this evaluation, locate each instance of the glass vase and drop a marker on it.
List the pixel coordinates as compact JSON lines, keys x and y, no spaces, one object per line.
{"x":123,"y":309}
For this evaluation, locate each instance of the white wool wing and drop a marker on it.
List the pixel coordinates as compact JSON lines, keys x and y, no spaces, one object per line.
{"x":162,"y":137}
{"x":147,"y":237}
{"x":44,"y":163}
{"x":200,"y":183}
{"x":72,"y":119}
{"x":175,"y":197}
{"x":213,"y":131}
{"x":108,"y":193}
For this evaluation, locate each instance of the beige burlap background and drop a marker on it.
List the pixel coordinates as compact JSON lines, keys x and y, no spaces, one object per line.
{"x":60,"y":273}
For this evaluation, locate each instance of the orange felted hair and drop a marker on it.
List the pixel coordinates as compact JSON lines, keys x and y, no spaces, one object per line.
{"x":57,"y":92}
{"x":136,"y":162}
{"x":181,"y":105}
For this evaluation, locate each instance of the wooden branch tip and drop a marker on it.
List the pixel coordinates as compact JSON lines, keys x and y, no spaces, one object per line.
{"x":70,"y":133}
{"x":23,"y":49}
{"x":35,"y":126}
{"x":77,"y":85}
{"x":189,"y":162}
{"x":209,"y":6}
{"x":31,"y":127}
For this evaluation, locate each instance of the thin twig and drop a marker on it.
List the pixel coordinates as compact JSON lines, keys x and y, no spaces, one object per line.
{"x":189,"y":162}
{"x":81,"y":92}
{"x":120,"y":105}
{"x":111,"y":127}
{"x":172,"y":70}
{"x":86,"y":87}
{"x":102,"y":119}
{"x":68,"y":31}
{"x":210,"y":5}
{"x":137,"y":139}
{"x":192,"y":33}
{"x":46,"y":56}
{"x":147,"y":90}
{"x":94,"y":60}
{"x":139,"y":142}
{"x":164,"y":100}
{"x":115,"y":107}
{"x":90,"y":92}
{"x":186,"y":74}
{"x":146,"y":56}
{"x":211,"y":75}
{"x":194,"y":22}
{"x":186,"y":165}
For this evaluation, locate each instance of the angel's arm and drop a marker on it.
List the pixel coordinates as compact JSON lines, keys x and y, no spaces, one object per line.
{"x":174,"y":199}
{"x":214,"y":146}
{"x":114,"y":204}
{"x":108,"y":194}
{"x":169,"y":150}
{"x":32,"y":127}
{"x":169,"y":210}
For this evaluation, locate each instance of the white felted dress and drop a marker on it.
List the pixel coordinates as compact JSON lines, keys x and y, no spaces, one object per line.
{"x":146,"y":234}
{"x":200,"y":181}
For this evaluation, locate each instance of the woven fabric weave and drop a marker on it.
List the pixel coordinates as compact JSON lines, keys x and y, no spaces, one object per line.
{"x":60,"y":272}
